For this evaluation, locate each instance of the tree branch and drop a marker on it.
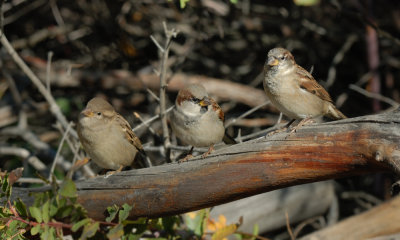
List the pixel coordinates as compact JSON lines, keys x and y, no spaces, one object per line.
{"x":313,"y":153}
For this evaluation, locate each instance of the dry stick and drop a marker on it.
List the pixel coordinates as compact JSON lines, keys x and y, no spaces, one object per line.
{"x":22,"y":152}
{"x":338,"y":58}
{"x":69,"y":127}
{"x":48,"y":70}
{"x":150,"y":120}
{"x":232,"y":121}
{"x":34,"y":180}
{"x":163,"y":85}
{"x":375,"y":96}
{"x":310,"y":221}
{"x":56,"y":13}
{"x":54,"y":109}
{"x":343,"y":97}
{"x":152,"y":131}
{"x":288,"y":226}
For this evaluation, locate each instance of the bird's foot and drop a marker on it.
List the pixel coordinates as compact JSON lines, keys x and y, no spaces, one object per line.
{"x":109,"y":173}
{"x":208,"y":152}
{"x":189,"y":156}
{"x":303,"y":122}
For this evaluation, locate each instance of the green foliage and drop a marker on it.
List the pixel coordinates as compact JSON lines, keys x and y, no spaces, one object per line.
{"x":64,"y":104}
{"x":57,"y":210}
{"x":306,"y":3}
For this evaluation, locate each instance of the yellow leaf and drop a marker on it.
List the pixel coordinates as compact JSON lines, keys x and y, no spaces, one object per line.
{"x":223,"y":232}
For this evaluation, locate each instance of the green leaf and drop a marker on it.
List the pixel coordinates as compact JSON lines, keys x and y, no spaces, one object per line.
{"x":124,"y":213}
{"x":64,"y":211}
{"x":255,"y":232}
{"x":35,"y":230}
{"x":5,"y":187}
{"x":168,"y":223}
{"x":306,"y":3}
{"x":196,"y":224}
{"x":36,"y":214}
{"x":48,"y":233}
{"x":61,"y":202}
{"x":113,"y":210}
{"x":234,"y":1}
{"x":79,"y":224}
{"x":89,"y":230}
{"x":64,"y":105}
{"x":68,"y":189}
{"x":116,"y":232}
{"x":21,"y":207}
{"x":45,"y":211}
{"x":183,"y":3}
{"x":53,"y":208}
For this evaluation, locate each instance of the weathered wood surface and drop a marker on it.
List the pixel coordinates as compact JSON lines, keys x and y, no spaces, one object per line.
{"x":314,"y":153}
{"x":378,"y":221}
{"x":267,"y":210}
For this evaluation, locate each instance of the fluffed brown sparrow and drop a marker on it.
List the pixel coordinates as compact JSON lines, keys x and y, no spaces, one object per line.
{"x":294,"y":91}
{"x":197,"y":120}
{"x":107,"y":137}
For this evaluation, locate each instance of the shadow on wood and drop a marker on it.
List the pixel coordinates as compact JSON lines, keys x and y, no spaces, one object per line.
{"x":314,"y":153}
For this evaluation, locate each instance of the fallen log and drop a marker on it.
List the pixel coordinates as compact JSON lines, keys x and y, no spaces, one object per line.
{"x":314,"y":153}
{"x":379,"y":221}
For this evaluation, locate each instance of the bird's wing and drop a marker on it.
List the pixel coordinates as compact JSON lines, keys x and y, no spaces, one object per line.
{"x":308,"y":83}
{"x":126,"y":128}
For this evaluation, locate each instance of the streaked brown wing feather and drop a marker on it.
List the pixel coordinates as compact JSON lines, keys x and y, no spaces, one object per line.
{"x":133,"y":139}
{"x":308,"y":83}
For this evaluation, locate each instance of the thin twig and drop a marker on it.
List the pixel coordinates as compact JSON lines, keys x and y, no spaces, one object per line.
{"x":56,"y":13}
{"x":48,"y":70}
{"x":150,"y":120}
{"x":163,"y":85}
{"x":54,"y":108}
{"x":67,"y":130}
{"x":34,"y":180}
{"x":137,"y":115}
{"x":375,"y":96}
{"x":247,"y":113}
{"x":157,"y":44}
{"x":338,"y":58}
{"x":289,"y":229}
{"x":24,"y":153}
{"x":309,"y":221}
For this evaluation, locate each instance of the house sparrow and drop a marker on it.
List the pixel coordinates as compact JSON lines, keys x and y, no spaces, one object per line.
{"x":197,"y":120}
{"x":107,"y":137}
{"x":294,"y":91}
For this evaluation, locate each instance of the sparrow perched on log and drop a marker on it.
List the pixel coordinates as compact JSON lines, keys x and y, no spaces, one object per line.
{"x":107,"y":137}
{"x":197,"y":120}
{"x":294,"y":91}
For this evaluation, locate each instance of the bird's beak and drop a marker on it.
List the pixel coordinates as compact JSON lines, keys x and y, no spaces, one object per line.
{"x":272,"y":61}
{"x":205,"y":102}
{"x":87,"y":113}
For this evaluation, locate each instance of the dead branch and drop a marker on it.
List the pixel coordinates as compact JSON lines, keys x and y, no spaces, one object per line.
{"x":379,"y":221}
{"x":313,"y":153}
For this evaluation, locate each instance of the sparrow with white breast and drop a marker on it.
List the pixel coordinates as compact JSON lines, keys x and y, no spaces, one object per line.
{"x":107,"y":137}
{"x":294,"y":91}
{"x":197,"y":120}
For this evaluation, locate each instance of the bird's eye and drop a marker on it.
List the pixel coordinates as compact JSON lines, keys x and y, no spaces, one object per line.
{"x":195,"y":100}
{"x":282,"y":57}
{"x":98,"y":113}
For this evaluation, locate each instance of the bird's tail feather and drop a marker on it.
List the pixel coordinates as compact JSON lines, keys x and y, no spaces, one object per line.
{"x":334,"y":113}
